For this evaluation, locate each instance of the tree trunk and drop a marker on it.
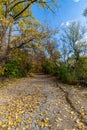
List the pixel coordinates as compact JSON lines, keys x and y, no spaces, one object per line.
{"x":4,"y":49}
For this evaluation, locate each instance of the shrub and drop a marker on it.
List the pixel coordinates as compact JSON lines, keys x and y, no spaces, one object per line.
{"x":18,"y":65}
{"x":49,"y":67}
{"x":67,"y":75}
{"x":81,"y":68}
{"x":13,"y":69}
{"x":72,"y":78}
{"x":63,"y":73}
{"x":31,"y":74}
{"x":2,"y":70}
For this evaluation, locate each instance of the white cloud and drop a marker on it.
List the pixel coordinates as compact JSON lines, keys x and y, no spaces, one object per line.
{"x":67,"y":23}
{"x":62,"y":24}
{"x":76,"y":0}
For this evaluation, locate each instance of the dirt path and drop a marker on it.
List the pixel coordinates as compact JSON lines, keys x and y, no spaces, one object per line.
{"x":40,"y":104}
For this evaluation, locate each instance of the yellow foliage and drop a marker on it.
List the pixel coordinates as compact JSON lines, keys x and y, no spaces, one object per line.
{"x":31,"y":75}
{"x":2,"y":70}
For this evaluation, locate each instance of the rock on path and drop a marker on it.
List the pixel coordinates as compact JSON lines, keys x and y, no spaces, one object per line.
{"x":37,"y":104}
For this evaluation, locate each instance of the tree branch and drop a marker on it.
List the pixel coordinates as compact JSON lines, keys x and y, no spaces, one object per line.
{"x":16,"y":4}
{"x":16,"y":16}
{"x":19,"y":46}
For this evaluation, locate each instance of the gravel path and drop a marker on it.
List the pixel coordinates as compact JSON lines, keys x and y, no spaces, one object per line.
{"x":38,"y":104}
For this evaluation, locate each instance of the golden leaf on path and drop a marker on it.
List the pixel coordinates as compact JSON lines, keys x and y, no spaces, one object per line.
{"x":15,"y":123}
{"x":38,"y":122}
{"x":82,"y":113}
{"x":56,"y":104}
{"x":19,"y":119}
{"x":26,"y":126}
{"x":72,"y":112}
{"x":82,"y":120}
{"x":29,"y":120}
{"x":60,"y":119}
{"x":82,"y":107}
{"x":1,"y":123}
{"x":81,"y":127}
{"x":9,"y":128}
{"x":17,"y":128}
{"x":44,"y":113}
{"x":10,"y":122}
{"x":46,"y":125}
{"x":46,"y":120}
{"x":65,"y":116}
{"x":77,"y":121}
{"x":57,"y":125}
{"x":67,"y":110}
{"x":22,"y":112}
{"x":78,"y":102}
{"x":42,"y":125}
{"x":23,"y":128}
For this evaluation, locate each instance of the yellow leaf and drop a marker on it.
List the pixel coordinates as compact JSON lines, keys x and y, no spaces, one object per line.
{"x":42,"y":125}
{"x":1,"y":123}
{"x":46,"y":120}
{"x":82,"y":113}
{"x":19,"y":119}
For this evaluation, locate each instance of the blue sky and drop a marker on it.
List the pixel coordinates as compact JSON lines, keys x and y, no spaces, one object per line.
{"x":69,"y":10}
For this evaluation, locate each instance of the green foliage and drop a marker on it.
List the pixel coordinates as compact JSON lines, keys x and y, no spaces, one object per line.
{"x":70,"y":75}
{"x":18,"y":65}
{"x":2,"y":70}
{"x":49,"y":67}
{"x":81,"y":68}
{"x":35,"y":68}
{"x":13,"y":69}
{"x":31,"y":74}
{"x":72,"y":78}
{"x":63,"y":73}
{"x":67,"y":74}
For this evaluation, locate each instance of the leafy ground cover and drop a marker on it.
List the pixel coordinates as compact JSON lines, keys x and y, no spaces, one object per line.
{"x":40,"y":104}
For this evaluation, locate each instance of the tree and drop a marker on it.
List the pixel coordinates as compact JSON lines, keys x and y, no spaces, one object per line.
{"x":72,"y":37}
{"x":15,"y":13}
{"x":52,"y":50}
{"x":85,"y":12}
{"x":20,"y":8}
{"x":64,"y":52}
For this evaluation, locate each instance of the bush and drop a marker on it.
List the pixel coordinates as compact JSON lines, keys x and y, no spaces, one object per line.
{"x":67,"y":75}
{"x":13,"y":69}
{"x":31,"y":75}
{"x":18,"y":65}
{"x":63,"y":73}
{"x":70,"y":74}
{"x":49,"y":67}
{"x":72,"y":78}
{"x":2,"y":70}
{"x":81,"y":68}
